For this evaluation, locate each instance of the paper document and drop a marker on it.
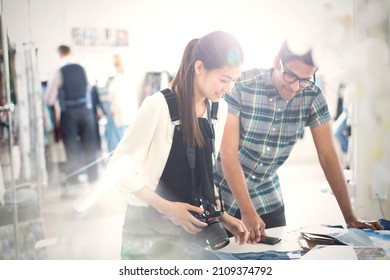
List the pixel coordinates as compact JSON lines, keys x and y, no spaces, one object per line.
{"x":323,"y":252}
{"x":351,"y":236}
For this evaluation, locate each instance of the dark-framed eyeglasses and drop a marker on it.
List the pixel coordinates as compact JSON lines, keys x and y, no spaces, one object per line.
{"x":292,"y":78}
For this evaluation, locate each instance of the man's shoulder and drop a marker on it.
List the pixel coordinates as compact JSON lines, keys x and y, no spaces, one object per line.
{"x":312,"y":92}
{"x":254,"y":74}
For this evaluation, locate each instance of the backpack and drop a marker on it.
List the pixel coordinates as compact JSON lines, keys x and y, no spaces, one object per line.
{"x":170,"y":98}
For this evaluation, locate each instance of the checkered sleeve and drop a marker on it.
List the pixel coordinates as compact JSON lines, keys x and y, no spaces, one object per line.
{"x":319,"y":111}
{"x":234,"y":100}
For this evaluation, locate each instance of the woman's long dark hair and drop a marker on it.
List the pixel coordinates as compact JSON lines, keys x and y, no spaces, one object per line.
{"x":215,"y":50}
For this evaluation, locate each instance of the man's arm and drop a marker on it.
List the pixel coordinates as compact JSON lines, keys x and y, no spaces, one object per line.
{"x":52,"y":88}
{"x":232,"y":171}
{"x":327,"y":155}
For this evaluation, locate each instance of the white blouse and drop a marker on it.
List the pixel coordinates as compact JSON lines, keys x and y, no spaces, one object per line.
{"x":141,"y":155}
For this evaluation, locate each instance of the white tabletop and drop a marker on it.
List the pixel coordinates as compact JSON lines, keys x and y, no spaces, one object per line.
{"x":289,"y":242}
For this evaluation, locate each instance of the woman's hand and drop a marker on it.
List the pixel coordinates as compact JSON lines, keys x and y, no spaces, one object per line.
{"x":236,"y":227}
{"x":179,"y":214}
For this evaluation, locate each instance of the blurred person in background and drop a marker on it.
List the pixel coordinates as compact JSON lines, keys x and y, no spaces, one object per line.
{"x":69,"y":87}
{"x":123,"y":104}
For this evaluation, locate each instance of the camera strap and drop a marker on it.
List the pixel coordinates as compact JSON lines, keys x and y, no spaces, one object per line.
{"x":212,"y":122}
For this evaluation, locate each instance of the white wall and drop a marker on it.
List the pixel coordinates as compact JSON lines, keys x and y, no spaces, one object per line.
{"x":159,"y":30}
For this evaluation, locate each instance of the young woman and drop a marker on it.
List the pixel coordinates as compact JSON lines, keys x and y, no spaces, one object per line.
{"x":167,"y":198}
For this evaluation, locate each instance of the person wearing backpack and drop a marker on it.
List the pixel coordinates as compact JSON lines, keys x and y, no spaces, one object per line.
{"x":164,"y":164}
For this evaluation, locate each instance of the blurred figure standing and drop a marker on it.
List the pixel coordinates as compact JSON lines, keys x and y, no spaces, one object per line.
{"x":70,"y":87}
{"x":123,"y":104}
{"x":99,"y":111}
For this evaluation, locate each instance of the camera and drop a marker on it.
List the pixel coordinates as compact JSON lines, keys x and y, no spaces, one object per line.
{"x":215,"y":233}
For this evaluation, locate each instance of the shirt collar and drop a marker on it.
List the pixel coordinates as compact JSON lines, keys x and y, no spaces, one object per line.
{"x":271,"y":90}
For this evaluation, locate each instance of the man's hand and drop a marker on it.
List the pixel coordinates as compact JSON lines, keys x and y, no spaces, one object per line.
{"x":374,"y":225}
{"x":255,"y":225}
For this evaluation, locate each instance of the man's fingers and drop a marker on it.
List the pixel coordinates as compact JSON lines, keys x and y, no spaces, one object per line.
{"x":257,"y":235}
{"x":253,"y":236}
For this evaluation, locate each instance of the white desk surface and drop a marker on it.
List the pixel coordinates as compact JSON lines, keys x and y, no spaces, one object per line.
{"x":289,"y":242}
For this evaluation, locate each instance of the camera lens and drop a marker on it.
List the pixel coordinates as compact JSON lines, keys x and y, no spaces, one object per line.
{"x":216,"y":235}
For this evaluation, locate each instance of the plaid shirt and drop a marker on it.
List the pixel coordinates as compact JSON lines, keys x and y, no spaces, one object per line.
{"x":269,"y":128}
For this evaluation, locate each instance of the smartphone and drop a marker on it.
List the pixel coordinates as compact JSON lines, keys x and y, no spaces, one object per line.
{"x":269,"y":240}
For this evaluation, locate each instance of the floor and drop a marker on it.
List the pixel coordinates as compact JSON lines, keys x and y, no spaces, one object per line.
{"x":86,"y":224}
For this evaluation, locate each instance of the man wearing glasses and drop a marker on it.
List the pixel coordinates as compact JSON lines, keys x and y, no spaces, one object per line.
{"x":268,"y":112}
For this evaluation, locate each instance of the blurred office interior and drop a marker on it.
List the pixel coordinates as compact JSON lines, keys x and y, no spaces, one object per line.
{"x":351,"y":44}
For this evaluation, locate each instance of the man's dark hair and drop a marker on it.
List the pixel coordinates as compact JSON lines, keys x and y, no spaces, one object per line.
{"x":286,"y":55}
{"x":64,"y":50}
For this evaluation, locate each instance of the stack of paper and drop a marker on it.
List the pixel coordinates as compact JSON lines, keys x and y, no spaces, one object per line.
{"x":363,"y":244}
